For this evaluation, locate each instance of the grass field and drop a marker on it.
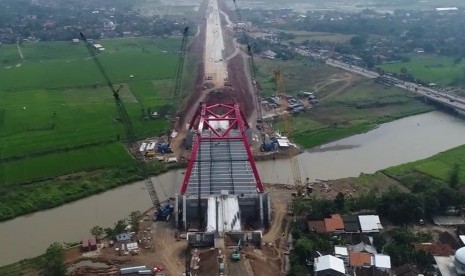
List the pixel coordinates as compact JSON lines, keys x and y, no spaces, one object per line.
{"x":436,"y":69}
{"x":58,"y":117}
{"x":348,"y":104}
{"x":438,"y":166}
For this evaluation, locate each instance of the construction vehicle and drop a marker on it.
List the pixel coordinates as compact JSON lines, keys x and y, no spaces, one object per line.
{"x":164,"y":212}
{"x":131,"y":138}
{"x":165,"y":147}
{"x":269,"y":146}
{"x":294,"y":162}
{"x":236,"y":254}
{"x":256,"y":89}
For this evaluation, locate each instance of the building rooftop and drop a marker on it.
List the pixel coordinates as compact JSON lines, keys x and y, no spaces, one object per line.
{"x":351,"y":223}
{"x":329,"y":262}
{"x":362,"y":247}
{"x":334,"y":223}
{"x":382,"y":261}
{"x":341,"y":251}
{"x":370,"y":223}
{"x":358,"y":259}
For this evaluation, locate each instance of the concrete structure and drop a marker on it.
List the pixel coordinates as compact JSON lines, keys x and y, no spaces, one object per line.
{"x":215,"y":67}
{"x":329,"y":266}
{"x":221,"y":190}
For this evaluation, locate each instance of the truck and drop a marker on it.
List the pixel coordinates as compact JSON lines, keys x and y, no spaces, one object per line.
{"x":132,"y":269}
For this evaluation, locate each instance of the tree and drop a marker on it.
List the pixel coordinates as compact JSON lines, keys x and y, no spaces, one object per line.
{"x":357,"y":41}
{"x":97,"y":232}
{"x":339,"y":201}
{"x":134,"y":219}
{"x":454,"y":176}
{"x":54,"y":260}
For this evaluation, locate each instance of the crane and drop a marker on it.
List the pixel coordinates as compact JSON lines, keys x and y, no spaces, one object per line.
{"x":256,"y":89}
{"x":178,"y":78}
{"x":126,"y":122}
{"x":287,"y":120}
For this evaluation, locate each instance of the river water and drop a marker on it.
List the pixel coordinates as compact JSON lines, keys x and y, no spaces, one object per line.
{"x":394,"y":143}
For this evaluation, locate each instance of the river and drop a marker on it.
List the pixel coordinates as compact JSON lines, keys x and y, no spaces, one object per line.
{"x":394,"y":143}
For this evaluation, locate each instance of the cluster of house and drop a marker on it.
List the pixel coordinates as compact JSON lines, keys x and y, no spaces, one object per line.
{"x":362,"y":258}
{"x":355,"y":259}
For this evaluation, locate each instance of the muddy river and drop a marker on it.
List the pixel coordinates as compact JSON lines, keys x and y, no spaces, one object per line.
{"x":398,"y":142}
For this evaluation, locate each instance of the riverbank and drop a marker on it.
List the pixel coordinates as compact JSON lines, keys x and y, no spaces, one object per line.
{"x":402,"y":141}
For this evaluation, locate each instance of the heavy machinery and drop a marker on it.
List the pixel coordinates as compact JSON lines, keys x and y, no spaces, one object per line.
{"x":165,"y":146}
{"x":294,"y":162}
{"x":123,"y":117}
{"x":265,"y":146}
{"x":164,"y":212}
{"x":236,"y":254}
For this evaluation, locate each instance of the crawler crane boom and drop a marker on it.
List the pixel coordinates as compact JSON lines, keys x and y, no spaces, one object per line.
{"x":131,"y":138}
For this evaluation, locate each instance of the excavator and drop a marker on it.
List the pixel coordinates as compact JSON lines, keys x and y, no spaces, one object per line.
{"x":236,"y":254}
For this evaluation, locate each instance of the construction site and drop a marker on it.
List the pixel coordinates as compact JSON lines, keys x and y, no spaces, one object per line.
{"x":221,"y":219}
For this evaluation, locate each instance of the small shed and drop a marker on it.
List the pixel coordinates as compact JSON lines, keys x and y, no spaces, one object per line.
{"x":85,"y":245}
{"x":92,"y":244}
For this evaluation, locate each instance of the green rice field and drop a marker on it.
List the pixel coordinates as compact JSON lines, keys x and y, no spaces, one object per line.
{"x":58,"y":117}
{"x":438,"y":166}
{"x":431,"y":68}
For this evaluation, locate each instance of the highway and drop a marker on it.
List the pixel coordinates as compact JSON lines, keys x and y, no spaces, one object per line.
{"x":429,"y":93}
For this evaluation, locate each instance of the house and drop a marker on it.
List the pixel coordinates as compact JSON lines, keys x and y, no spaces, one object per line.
{"x":382,"y":262}
{"x":342,"y":253}
{"x":85,"y":245}
{"x":359,"y":259}
{"x":351,"y":224}
{"x":92,"y":244}
{"x":447,"y":238}
{"x":370,"y":223}
{"x":329,"y":266}
{"x":363,"y":247}
{"x":75,"y":40}
{"x":334,"y":224}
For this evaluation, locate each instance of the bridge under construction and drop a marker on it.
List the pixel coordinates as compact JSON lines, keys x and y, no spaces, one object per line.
{"x":222,"y":191}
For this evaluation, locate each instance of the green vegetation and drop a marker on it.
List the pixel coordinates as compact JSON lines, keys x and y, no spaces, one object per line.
{"x":348,"y":104}
{"x":432,"y":68}
{"x":302,"y":36}
{"x":50,"y":263}
{"x":440,"y":167}
{"x":58,"y":117}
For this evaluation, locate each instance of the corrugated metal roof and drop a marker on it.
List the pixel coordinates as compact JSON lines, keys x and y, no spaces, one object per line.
{"x":370,"y":223}
{"x":222,"y":165}
{"x":329,"y":262}
{"x":382,"y":261}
